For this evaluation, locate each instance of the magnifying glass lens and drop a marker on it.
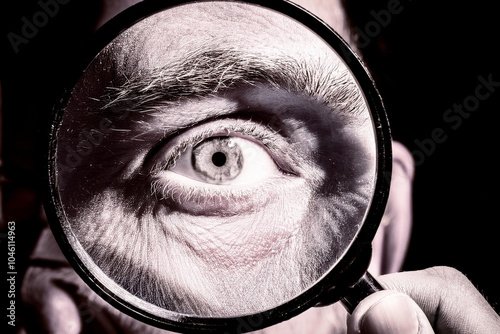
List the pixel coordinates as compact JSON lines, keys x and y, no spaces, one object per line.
{"x":217,"y":160}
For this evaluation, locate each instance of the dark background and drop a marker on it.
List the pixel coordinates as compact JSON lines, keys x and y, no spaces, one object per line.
{"x":425,"y":59}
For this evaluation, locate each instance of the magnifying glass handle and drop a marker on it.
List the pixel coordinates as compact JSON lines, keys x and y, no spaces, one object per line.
{"x":366,"y":285}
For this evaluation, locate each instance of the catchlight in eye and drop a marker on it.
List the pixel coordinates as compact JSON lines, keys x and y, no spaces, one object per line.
{"x":226,"y":160}
{"x":217,"y":160}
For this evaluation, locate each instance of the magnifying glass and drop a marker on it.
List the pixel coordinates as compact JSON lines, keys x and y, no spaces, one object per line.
{"x":219,"y":163}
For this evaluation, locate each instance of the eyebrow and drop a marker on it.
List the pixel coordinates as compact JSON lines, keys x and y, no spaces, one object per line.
{"x":204,"y":72}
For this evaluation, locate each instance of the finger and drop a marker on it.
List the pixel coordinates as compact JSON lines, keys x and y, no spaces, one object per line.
{"x":388,"y":312}
{"x":449,"y":300}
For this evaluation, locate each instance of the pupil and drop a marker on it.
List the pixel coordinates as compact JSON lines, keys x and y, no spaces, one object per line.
{"x":219,"y":159}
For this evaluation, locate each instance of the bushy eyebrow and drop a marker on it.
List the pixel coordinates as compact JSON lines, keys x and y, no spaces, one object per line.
{"x":204,"y":72}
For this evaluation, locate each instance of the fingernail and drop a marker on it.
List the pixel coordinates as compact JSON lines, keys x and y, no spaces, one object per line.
{"x":393,"y":314}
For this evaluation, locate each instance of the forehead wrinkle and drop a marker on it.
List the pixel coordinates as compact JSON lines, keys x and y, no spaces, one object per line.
{"x":151,"y":42}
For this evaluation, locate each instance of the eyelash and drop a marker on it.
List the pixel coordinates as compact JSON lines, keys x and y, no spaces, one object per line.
{"x":211,"y":198}
{"x":248,"y":129}
{"x":222,"y":201}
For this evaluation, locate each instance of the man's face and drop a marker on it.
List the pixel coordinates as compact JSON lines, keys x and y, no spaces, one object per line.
{"x":230,"y":179}
{"x":225,"y":159}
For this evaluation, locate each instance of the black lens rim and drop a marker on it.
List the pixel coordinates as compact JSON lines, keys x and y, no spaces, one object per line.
{"x":307,"y":299}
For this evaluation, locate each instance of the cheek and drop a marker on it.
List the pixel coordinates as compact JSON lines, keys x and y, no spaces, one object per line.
{"x":281,"y":248}
{"x":158,"y":237}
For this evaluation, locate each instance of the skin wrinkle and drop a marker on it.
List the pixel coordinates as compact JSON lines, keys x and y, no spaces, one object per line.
{"x":205,"y":265}
{"x":117,"y":264}
{"x":108,"y":249}
{"x":239,"y":201}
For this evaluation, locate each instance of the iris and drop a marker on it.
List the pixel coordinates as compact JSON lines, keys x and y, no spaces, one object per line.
{"x":217,"y":159}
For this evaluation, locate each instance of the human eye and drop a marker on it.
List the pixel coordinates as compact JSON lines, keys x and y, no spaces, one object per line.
{"x":221,"y":162}
{"x":225,"y":160}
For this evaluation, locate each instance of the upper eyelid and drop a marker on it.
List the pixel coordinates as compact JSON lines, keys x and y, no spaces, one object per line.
{"x":160,"y":122}
{"x":217,"y":127}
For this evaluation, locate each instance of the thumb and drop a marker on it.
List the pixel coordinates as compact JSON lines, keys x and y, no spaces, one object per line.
{"x":388,"y":312}
{"x":449,"y":300}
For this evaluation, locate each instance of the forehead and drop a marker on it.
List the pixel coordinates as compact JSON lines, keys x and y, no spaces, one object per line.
{"x":245,"y":28}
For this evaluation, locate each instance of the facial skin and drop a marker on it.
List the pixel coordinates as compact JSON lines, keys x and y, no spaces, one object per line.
{"x":69,"y":305}
{"x":55,"y":299}
{"x":178,"y":83}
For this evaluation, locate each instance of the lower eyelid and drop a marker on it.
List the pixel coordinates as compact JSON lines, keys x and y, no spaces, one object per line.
{"x":200,"y":199}
{"x":281,"y":151}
